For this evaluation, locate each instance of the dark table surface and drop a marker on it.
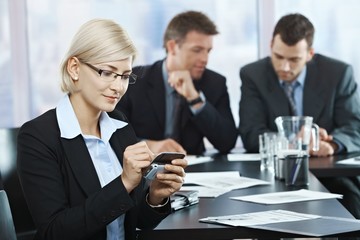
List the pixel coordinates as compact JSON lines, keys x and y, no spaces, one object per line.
{"x":184,"y":224}
{"x":328,"y":166}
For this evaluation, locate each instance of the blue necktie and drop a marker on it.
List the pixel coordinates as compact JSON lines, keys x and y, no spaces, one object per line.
{"x":289,"y":91}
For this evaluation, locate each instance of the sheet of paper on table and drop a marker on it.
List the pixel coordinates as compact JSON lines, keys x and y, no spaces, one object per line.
{"x":243,"y":157}
{"x":205,"y":192}
{"x":193,"y":159}
{"x":288,"y":221}
{"x":287,"y":197}
{"x":259,"y":218}
{"x":350,"y":161}
{"x":228,"y":180}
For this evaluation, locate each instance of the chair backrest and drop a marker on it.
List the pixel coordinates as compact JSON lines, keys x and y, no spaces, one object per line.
{"x":23,"y":221}
{"x":1,"y":183}
{"x":7,"y":229}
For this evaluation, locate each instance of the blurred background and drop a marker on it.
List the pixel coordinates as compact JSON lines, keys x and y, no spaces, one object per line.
{"x":35,"y":34}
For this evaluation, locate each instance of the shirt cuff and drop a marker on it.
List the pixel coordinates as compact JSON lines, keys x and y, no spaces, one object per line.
{"x":196,"y":111}
{"x":341,"y":147}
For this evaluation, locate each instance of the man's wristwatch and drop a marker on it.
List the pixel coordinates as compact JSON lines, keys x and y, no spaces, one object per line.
{"x":197,"y":100}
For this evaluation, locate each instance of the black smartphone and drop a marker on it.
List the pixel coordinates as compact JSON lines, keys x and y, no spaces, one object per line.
{"x":158,"y":163}
{"x":166,"y":157}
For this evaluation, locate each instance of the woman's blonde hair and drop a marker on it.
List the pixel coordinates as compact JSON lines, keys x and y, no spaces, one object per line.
{"x":97,"y":41}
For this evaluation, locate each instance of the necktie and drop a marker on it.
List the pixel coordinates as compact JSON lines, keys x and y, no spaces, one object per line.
{"x":175,"y":133}
{"x":289,"y":91}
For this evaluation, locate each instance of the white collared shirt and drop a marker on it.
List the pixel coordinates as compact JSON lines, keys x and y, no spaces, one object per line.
{"x":105,"y":161}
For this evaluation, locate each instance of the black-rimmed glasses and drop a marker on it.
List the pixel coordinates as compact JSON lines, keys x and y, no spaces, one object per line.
{"x":110,"y":76}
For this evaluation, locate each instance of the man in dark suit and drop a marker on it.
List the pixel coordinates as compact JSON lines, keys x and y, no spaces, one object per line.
{"x":323,"y":88}
{"x":178,"y":101}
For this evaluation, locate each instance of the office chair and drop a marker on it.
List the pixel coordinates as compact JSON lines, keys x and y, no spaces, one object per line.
{"x":24,"y":224}
{"x":1,"y":183}
{"x":7,"y":229}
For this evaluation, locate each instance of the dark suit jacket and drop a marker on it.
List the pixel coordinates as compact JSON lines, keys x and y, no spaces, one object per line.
{"x":144,"y":106}
{"x":63,"y":190}
{"x":330,"y":97}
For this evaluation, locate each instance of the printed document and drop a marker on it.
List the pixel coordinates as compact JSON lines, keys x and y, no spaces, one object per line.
{"x":288,"y":221}
{"x":259,"y":218}
{"x":229,"y":180}
{"x":205,"y":192}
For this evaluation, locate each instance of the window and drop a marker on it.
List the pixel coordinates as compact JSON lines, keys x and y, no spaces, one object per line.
{"x":337,"y":30}
{"x":6,"y":83}
{"x":53,"y":23}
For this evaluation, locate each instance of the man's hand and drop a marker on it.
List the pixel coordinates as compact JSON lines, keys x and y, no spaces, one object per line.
{"x":326,"y":146}
{"x":166,"y":145}
{"x":325,"y":149}
{"x":324,"y":136}
{"x":183,"y":84}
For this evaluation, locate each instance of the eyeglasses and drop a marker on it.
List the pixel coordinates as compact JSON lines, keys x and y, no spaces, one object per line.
{"x":110,"y":76}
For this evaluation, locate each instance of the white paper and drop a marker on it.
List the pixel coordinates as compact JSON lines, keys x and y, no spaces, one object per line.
{"x":350,"y":161}
{"x":259,"y":218}
{"x":192,"y":159}
{"x":229,"y":180}
{"x":205,"y":192}
{"x":243,"y":157}
{"x":287,"y":197}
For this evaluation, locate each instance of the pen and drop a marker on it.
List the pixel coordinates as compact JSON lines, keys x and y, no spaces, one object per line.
{"x":296,"y":169}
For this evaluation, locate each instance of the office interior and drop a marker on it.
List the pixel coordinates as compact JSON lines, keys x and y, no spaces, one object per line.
{"x":34,"y":35}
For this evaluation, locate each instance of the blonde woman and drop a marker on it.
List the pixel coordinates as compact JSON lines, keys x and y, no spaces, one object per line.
{"x":80,"y":164}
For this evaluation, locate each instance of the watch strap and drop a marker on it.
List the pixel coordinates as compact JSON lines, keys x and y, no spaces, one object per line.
{"x":195,"y":101}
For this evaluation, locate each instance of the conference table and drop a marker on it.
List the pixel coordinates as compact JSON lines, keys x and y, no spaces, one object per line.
{"x":330,"y":167}
{"x":184,"y":224}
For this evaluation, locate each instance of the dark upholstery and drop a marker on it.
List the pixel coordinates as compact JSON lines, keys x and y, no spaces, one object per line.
{"x":7,"y":229}
{"x":23,"y":222}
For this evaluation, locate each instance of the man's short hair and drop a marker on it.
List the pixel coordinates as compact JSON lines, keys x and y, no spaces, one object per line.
{"x":293,"y":28}
{"x":186,"y":22}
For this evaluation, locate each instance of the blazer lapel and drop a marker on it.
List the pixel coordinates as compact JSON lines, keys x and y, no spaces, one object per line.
{"x":80,"y":161}
{"x":121,"y":139}
{"x":313,"y":102}
{"x":277,"y":99}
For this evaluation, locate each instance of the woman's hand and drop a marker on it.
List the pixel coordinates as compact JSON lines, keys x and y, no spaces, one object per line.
{"x":136,"y":158}
{"x":167,"y":183}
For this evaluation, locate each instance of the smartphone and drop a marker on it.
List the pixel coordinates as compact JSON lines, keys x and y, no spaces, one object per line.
{"x":157,"y":165}
{"x":166,"y":157}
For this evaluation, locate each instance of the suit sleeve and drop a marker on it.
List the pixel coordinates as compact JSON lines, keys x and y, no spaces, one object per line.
{"x":252,"y":112}
{"x":62,"y":212}
{"x":347,"y":112}
{"x":216,"y":122}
